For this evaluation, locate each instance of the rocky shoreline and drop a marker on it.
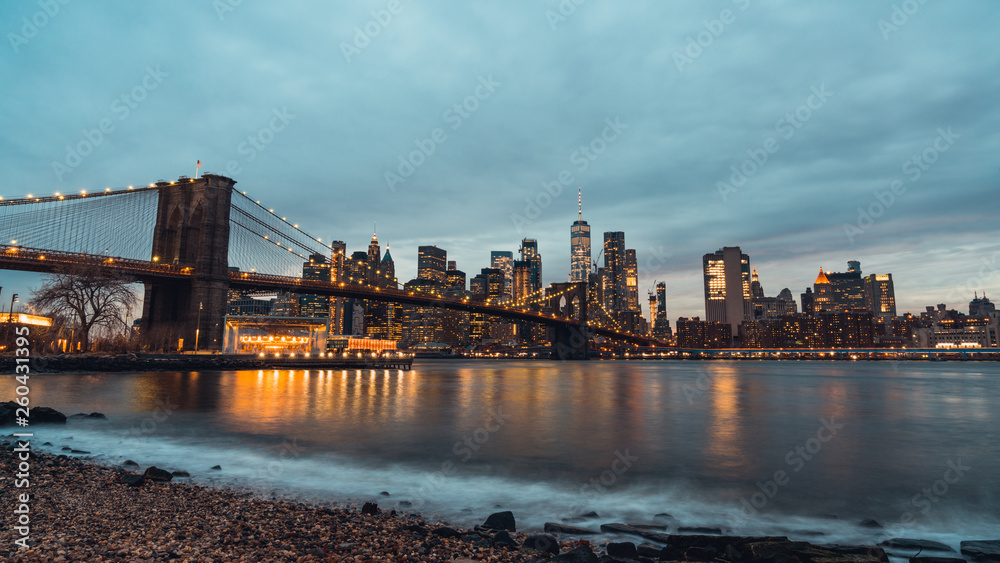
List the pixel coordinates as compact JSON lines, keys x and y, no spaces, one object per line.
{"x":81,"y":511}
{"x":90,"y":363}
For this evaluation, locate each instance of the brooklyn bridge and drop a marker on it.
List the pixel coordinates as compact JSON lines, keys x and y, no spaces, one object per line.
{"x":193,"y":240}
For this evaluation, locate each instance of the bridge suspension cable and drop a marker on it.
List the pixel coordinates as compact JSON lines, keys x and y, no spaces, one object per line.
{"x":262,"y":241}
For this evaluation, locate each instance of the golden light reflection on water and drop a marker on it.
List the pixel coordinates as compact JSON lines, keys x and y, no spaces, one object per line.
{"x":726,"y":449}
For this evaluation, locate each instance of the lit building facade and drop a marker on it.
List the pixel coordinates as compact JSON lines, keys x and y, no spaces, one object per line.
{"x":315,"y":306}
{"x":529,"y":254}
{"x":615,"y":288}
{"x":503,"y":260}
{"x":432,"y":263}
{"x":880,"y":295}
{"x":579,"y":246}
{"x":727,"y":287}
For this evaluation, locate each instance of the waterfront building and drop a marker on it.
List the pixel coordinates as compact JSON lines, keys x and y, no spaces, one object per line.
{"x":880,"y":296}
{"x":316,"y":269}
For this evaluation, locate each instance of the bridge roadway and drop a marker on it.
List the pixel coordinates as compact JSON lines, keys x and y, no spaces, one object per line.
{"x":14,"y":257}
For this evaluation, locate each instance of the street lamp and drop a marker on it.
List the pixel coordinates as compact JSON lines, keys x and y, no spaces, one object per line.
{"x":10,"y":316}
{"x":197,"y":329}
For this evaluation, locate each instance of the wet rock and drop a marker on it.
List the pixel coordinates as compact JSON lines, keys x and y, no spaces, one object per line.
{"x":870,"y":523}
{"x":502,"y":538}
{"x":554,"y":528}
{"x":416,"y":528}
{"x":46,"y":443}
{"x":132,"y":479}
{"x":786,"y":551}
{"x":501,"y":521}
{"x":154,"y":473}
{"x":907,"y":543}
{"x":180,"y":474}
{"x":542,"y":542}
{"x":67,"y":449}
{"x":699,"y":553}
{"x":443,"y":531}
{"x":699,"y":530}
{"x":91,"y":415}
{"x":129,"y":463}
{"x":369,"y":508}
{"x":216,"y":468}
{"x":984,"y":550}
{"x":656,"y":526}
{"x":623,"y":550}
{"x":46,"y":415}
{"x":936,"y":560}
{"x":405,"y":504}
{"x":653,"y":551}
{"x":581,"y":554}
{"x":384,"y":494}
{"x":79,"y":452}
{"x":581,"y":518}
{"x":617,"y":528}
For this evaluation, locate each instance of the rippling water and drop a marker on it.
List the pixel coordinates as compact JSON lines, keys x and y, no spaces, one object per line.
{"x":796,"y":448}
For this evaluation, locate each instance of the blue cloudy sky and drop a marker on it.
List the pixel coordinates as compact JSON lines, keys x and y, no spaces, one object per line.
{"x":809,"y":134}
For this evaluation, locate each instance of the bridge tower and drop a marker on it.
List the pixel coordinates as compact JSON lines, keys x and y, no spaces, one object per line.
{"x":570,"y":301}
{"x":192,"y":230}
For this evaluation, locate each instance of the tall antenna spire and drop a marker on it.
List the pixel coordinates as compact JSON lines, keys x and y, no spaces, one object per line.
{"x":579,"y":201}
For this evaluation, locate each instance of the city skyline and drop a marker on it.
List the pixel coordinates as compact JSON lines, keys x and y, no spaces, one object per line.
{"x":671,"y":120}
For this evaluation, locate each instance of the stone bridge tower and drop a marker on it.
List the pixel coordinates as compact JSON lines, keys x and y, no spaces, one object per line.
{"x":192,"y":230}
{"x":569,"y":301}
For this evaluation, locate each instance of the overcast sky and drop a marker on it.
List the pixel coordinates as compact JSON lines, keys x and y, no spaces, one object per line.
{"x":663,"y":112}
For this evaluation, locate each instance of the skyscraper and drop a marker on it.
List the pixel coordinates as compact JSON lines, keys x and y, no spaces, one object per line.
{"x":338,"y":255}
{"x":880,"y":296}
{"x":579,"y":245}
{"x":658,"y":313}
{"x":503,"y":260}
{"x":522,"y":280}
{"x":631,"y":282}
{"x":529,"y":254}
{"x":316,"y":306}
{"x":615,"y":292}
{"x":727,"y":287}
{"x":374,"y":260}
{"x":431,"y":262}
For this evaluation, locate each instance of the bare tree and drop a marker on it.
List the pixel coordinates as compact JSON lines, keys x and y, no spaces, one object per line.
{"x":95,"y":299}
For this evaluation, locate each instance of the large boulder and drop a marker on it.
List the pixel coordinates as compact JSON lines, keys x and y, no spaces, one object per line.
{"x":554,"y":528}
{"x":36,"y":415}
{"x":623,"y":550}
{"x":154,"y":473}
{"x":984,"y":550}
{"x":915,"y":545}
{"x":542,"y":542}
{"x":582,"y":554}
{"x":501,"y":521}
